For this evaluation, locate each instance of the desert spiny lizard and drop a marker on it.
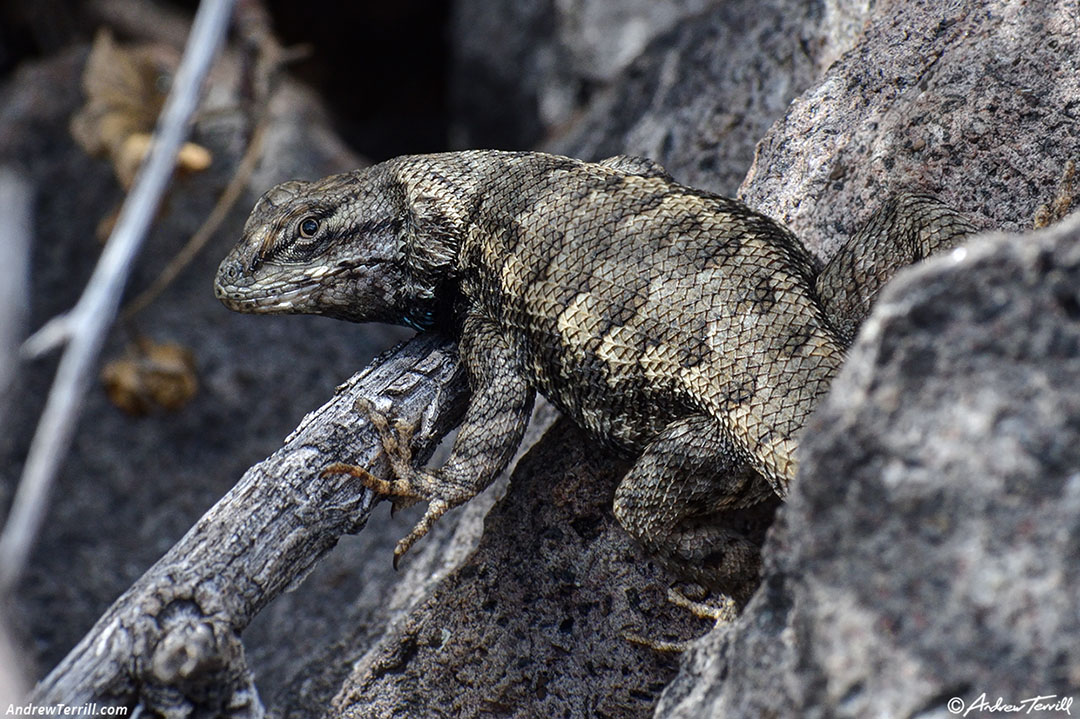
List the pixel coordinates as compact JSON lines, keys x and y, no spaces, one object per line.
{"x":677,"y":326}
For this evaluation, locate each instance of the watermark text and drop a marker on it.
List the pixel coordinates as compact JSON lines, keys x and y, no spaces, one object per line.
{"x":93,"y":709}
{"x":999,"y":705}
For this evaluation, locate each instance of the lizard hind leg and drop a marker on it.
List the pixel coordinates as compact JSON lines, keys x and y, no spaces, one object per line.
{"x":685,"y":501}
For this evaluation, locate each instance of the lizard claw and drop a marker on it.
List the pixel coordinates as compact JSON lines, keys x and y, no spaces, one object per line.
{"x":436,"y":508}
{"x":399,"y":503}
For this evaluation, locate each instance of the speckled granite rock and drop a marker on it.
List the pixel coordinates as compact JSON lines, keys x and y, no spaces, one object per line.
{"x":929,"y":551}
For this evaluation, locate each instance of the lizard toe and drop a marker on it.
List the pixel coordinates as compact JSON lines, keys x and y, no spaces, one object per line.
{"x":395,"y":437}
{"x":402,"y":492}
{"x":436,"y":508}
{"x":723,"y":611}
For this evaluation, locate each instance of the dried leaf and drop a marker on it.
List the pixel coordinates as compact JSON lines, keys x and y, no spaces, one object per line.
{"x":125,"y":88}
{"x":151,"y":376}
{"x":193,"y":158}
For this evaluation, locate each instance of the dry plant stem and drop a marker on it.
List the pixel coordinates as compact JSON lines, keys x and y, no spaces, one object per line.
{"x":262,"y":537}
{"x":12,"y":680}
{"x":84,"y":327}
{"x":209,"y":226}
{"x":16,"y":200}
{"x":15,"y":217}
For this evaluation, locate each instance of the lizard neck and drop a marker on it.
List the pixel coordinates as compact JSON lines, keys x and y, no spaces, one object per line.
{"x":442,"y":193}
{"x":460,"y":209}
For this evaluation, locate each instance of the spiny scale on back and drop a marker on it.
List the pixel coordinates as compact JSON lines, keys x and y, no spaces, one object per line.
{"x":677,"y":326}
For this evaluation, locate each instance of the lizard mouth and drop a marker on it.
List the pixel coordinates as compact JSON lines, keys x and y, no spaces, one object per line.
{"x":266,"y":299}
{"x":281,"y":289}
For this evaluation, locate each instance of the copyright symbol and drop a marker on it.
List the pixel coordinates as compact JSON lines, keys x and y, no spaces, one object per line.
{"x":955,"y":705}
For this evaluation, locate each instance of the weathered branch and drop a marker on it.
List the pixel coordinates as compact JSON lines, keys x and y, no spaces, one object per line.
{"x":171,"y":641}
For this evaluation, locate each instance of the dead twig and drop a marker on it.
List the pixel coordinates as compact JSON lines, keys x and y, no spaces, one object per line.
{"x":15,"y":216}
{"x":171,"y":642}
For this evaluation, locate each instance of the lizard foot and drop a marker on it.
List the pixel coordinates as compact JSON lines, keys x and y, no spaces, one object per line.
{"x":396,"y":443}
{"x":409,"y":486}
{"x":724,"y":612}
{"x":401,"y":493}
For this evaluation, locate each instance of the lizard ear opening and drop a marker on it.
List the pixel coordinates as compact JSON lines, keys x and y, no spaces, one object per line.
{"x":431,"y":238}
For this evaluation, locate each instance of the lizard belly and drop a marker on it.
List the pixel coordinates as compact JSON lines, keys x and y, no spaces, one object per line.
{"x":601,"y":387}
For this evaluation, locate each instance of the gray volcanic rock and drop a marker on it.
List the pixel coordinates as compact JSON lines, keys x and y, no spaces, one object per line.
{"x":975,"y":102}
{"x":929,"y":552}
{"x":700,"y":97}
{"x":523,"y":68}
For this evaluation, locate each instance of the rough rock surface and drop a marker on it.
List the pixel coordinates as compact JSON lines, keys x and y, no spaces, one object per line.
{"x":930,"y":547}
{"x":700,"y":96}
{"x":533,"y":622}
{"x":691,"y":83}
{"x":975,"y":102}
{"x":550,"y":57}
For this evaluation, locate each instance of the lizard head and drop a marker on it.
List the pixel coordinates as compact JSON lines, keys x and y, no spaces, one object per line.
{"x":339,"y":247}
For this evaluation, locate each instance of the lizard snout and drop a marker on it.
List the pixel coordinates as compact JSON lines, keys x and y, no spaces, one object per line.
{"x":229,"y":276}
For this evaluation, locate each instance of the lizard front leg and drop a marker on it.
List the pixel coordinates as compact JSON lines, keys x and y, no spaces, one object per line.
{"x":492,"y":429}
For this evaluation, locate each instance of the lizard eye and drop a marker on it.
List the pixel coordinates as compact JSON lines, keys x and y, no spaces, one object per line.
{"x":308,"y":227}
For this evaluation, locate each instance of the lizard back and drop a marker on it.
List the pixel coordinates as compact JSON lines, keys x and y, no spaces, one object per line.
{"x":636,"y":301}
